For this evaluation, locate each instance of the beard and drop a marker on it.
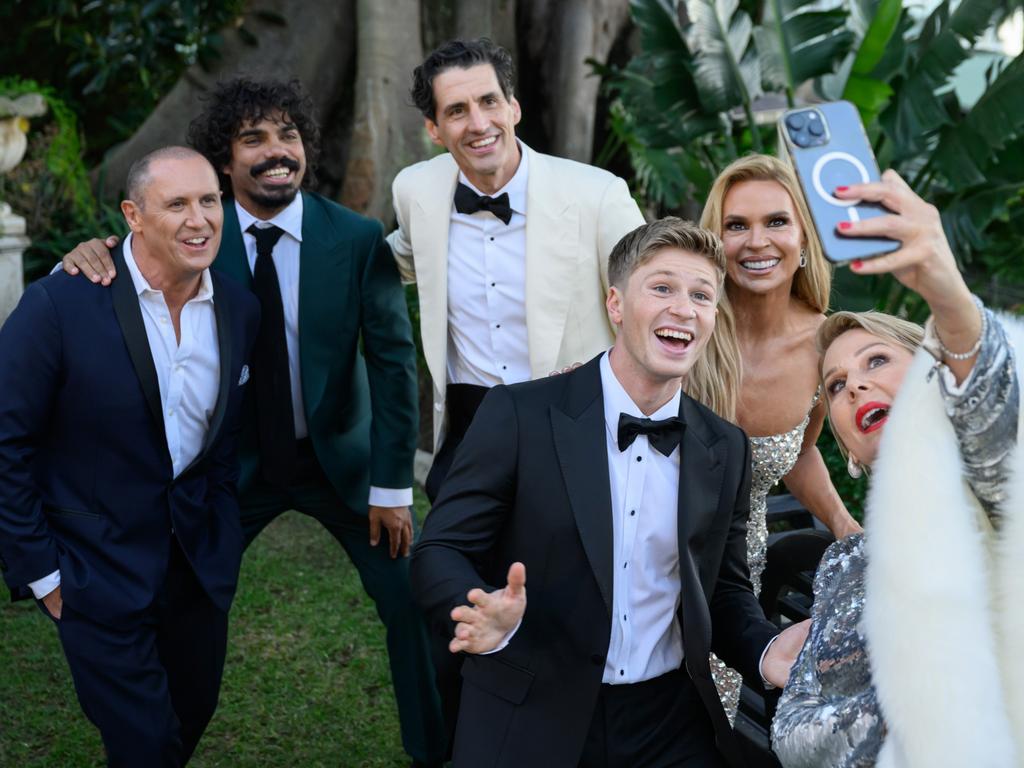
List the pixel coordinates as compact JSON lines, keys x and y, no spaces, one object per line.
{"x":274,"y":198}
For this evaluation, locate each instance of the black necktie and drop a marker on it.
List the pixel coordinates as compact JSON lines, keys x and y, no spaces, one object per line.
{"x":274,"y":418}
{"x":468,"y":201}
{"x":663,"y":435}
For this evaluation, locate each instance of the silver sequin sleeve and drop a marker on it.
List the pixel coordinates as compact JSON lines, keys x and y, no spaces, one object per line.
{"x":829,"y":713}
{"x":984,"y":411}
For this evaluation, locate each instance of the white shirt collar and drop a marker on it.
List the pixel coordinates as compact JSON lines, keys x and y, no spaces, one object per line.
{"x":617,"y":400}
{"x":516,"y":186}
{"x":142,"y":285}
{"x":289,"y":219}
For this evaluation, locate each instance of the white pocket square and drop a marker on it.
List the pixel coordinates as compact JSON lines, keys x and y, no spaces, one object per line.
{"x":245,"y":375}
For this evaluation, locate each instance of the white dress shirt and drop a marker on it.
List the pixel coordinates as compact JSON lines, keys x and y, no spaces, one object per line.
{"x":646,"y":640}
{"x":187,"y":371}
{"x":487,"y":342}
{"x":286,"y":262}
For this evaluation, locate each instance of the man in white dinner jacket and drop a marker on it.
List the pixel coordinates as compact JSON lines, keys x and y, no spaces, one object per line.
{"x":509,"y":247}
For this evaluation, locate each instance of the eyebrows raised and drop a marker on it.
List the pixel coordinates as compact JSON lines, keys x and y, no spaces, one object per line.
{"x":669,"y":273}
{"x":255,"y":130}
{"x":858,"y":353}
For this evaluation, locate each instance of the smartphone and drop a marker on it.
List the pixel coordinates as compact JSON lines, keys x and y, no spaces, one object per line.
{"x":829,"y":148}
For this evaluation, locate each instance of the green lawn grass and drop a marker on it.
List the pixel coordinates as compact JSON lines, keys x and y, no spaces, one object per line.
{"x":306,"y":681}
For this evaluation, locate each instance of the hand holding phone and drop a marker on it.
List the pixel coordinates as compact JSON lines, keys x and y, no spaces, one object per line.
{"x":829,"y":149}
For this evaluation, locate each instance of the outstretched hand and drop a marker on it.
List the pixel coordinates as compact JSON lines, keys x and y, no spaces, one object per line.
{"x":92,"y":259}
{"x":783,"y":652}
{"x":482,"y":626}
{"x":924,"y":262}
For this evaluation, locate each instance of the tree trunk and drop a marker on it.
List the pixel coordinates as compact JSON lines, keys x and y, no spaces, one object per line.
{"x":558,"y":39}
{"x":493,"y":19}
{"x":387,"y":133}
{"x":314,"y":44}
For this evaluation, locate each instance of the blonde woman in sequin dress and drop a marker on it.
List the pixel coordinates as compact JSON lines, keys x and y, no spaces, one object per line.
{"x":778,"y":286}
{"x":935,"y":586}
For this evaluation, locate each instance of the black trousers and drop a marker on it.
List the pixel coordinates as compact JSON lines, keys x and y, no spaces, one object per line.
{"x":150,"y":685}
{"x":462,"y":402}
{"x":659,"y":723}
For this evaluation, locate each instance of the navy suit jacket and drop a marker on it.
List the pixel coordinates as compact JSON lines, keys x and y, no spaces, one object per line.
{"x":86,"y":481}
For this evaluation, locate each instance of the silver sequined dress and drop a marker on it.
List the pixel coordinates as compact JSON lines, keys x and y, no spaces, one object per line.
{"x":771,"y":459}
{"x":829,"y":713}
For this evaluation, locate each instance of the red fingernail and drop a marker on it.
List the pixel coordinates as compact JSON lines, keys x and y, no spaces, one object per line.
{"x":842,"y":188}
{"x":844,"y":225}
{"x":857,"y":264}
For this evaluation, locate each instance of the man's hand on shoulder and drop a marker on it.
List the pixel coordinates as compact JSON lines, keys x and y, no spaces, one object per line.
{"x":482,"y":627}
{"x":398,"y":523}
{"x":92,"y":259}
{"x":782,"y":654}
{"x":54,"y":603}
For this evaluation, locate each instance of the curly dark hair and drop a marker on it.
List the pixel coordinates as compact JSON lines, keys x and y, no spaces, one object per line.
{"x":462,"y":54}
{"x":241,"y":100}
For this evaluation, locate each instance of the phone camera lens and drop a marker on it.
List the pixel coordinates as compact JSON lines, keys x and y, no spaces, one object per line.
{"x":797,"y":121}
{"x":815,"y":128}
{"x":801,"y":139}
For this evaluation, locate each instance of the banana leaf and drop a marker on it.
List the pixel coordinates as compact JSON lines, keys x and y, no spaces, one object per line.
{"x":946,"y":40}
{"x":728,"y":72}
{"x":797,"y":41}
{"x":966,"y":149}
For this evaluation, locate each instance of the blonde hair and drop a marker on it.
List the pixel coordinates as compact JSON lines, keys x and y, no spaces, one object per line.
{"x":812,"y":283}
{"x":714,"y":378}
{"x":901,"y":332}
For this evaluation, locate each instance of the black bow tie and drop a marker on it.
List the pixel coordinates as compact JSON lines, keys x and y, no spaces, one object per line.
{"x":663,"y":435}
{"x":468,"y":201}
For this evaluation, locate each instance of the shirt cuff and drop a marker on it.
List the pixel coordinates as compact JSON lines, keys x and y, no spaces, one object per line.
{"x":760,"y":665}
{"x":390,"y":497}
{"x":44,"y":586}
{"x":505,"y":640}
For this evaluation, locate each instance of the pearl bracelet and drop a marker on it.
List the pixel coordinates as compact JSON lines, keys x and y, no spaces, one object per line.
{"x":977,"y":345}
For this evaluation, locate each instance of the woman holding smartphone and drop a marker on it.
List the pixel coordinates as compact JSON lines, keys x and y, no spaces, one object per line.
{"x":934,"y":590}
{"x":777,"y":289}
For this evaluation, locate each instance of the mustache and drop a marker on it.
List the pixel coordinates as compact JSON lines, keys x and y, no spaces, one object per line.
{"x":275,"y":162}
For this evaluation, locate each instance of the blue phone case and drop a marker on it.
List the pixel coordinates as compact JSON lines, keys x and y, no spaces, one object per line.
{"x":829,"y":148}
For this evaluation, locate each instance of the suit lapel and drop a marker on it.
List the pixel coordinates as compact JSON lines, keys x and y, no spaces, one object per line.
{"x":552,"y":256}
{"x":223,"y":312}
{"x":701,"y":469}
{"x":430,"y":215}
{"x":231,"y":257}
{"x":129,"y":317}
{"x":579,"y":436}
{"x":324,"y":274}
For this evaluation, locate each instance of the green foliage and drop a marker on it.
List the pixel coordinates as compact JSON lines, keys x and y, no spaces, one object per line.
{"x":687,"y":104}
{"x":63,"y":155}
{"x":51,"y":187}
{"x":110,"y":62}
{"x":851,"y":491}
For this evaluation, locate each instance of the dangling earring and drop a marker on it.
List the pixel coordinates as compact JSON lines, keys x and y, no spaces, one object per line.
{"x":853,"y":467}
{"x":803,"y":258}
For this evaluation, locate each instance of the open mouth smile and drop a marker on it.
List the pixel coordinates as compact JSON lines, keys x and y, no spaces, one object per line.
{"x":871,"y":416}
{"x":760,"y":265}
{"x":484,"y":143}
{"x":674,"y":339}
{"x":197,"y":243}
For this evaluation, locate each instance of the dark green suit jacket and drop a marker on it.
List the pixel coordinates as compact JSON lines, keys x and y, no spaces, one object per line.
{"x":360,"y":399}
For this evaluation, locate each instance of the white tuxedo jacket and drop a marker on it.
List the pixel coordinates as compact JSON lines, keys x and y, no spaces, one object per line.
{"x":575,"y":214}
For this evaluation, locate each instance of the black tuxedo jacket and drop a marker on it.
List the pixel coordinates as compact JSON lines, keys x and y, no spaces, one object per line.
{"x":530,"y":483}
